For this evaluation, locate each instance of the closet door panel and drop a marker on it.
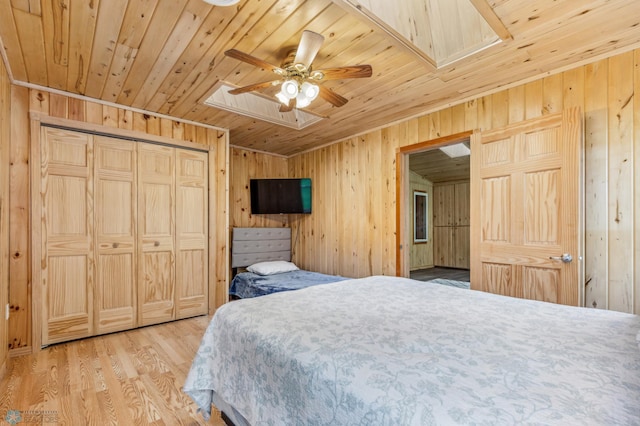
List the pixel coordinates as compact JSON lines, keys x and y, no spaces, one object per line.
{"x":444,"y":205}
{"x":462,"y":207}
{"x":156,"y":289}
{"x":444,"y":243}
{"x":156,"y":233}
{"x":191,"y":233}
{"x":115,"y":214}
{"x":66,"y":188}
{"x":69,"y":313}
{"x":462,"y":243}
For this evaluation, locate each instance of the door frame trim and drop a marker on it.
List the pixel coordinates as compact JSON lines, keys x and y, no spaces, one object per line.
{"x":402,"y":181}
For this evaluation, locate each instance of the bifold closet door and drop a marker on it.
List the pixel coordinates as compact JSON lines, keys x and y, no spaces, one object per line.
{"x":156,"y":233}
{"x":66,"y":189}
{"x":192,"y":217}
{"x":115,"y":219}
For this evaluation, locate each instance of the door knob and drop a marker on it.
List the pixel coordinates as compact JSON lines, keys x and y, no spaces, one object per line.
{"x":566,"y":257}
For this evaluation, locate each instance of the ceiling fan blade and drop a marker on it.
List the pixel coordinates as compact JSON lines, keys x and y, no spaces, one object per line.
{"x":332,"y":97}
{"x":245,"y":57}
{"x":252,"y":87}
{"x":355,"y":71}
{"x":308,"y":48}
{"x":289,"y":107}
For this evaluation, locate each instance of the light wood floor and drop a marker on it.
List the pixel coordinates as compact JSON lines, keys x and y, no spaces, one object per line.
{"x":128,"y":378}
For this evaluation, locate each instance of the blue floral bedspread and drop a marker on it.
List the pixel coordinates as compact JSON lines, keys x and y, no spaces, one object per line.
{"x":248,"y":284}
{"x":392,"y":351}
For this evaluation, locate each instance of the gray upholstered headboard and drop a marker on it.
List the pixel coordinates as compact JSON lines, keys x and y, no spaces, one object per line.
{"x":251,"y":245}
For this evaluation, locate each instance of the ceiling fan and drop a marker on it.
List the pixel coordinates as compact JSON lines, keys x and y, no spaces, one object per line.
{"x":298,"y":80}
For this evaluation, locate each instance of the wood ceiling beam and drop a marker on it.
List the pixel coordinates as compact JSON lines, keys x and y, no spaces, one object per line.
{"x":492,"y":19}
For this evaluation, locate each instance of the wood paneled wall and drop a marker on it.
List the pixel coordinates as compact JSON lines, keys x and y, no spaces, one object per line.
{"x":352,"y":229}
{"x":20,"y":246}
{"x":422,"y":253}
{"x":24,"y":101}
{"x":5,"y":138}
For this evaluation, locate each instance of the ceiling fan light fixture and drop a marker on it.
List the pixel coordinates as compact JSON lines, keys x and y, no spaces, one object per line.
{"x":222,"y":2}
{"x":289,"y":89}
{"x":299,"y":80}
{"x":302,"y":100}
{"x":310,"y":90}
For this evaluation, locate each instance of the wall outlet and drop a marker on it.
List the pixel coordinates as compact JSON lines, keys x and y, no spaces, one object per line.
{"x":6,"y":315}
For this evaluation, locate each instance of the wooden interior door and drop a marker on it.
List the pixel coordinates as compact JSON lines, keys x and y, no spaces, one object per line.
{"x":66,"y":189}
{"x":115,"y":215}
{"x":526,"y":197}
{"x":192,"y":217}
{"x":156,"y":233}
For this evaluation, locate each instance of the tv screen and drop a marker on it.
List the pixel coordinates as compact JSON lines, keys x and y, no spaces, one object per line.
{"x":280,"y":196}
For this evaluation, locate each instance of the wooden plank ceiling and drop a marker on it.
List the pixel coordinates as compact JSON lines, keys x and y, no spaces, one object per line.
{"x":438,"y":167}
{"x":167,"y":56}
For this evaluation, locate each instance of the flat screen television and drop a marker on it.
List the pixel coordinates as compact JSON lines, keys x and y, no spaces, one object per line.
{"x":280,"y":196}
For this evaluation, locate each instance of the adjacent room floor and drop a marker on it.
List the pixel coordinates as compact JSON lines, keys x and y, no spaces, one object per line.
{"x":440,"y":272}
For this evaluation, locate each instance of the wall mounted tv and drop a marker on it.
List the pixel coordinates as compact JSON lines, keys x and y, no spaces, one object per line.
{"x":280,"y":196}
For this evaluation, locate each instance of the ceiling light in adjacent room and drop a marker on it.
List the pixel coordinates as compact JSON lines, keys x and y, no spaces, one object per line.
{"x":456,"y":150}
{"x":222,"y":2}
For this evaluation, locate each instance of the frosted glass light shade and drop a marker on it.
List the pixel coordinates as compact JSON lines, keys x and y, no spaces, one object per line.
{"x":302,"y":100}
{"x":289,"y":89}
{"x":310,"y":90}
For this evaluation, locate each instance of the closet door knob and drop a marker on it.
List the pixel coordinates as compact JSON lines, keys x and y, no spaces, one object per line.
{"x":157,"y":243}
{"x":115,"y":245}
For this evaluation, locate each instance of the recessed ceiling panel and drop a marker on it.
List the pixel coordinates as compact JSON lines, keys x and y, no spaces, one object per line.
{"x":441,"y":31}
{"x":259,"y":107}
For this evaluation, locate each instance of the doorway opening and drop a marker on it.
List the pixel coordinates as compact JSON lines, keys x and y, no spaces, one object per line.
{"x":434,"y":244}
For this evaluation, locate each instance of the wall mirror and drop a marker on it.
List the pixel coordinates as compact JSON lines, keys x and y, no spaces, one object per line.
{"x":420,"y":220}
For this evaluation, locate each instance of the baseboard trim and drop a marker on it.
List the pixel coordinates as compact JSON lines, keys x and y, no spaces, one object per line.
{"x":25,"y":350}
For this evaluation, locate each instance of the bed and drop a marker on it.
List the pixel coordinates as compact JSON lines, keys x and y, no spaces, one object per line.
{"x":267,"y":251}
{"x":394,"y":351}
{"x":249,"y":284}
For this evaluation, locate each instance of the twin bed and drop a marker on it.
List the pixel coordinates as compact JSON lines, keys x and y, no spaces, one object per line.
{"x":394,"y":351}
{"x":266,"y":252}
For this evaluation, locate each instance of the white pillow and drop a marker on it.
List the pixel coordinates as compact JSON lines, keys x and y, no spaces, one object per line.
{"x":273,"y":267}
